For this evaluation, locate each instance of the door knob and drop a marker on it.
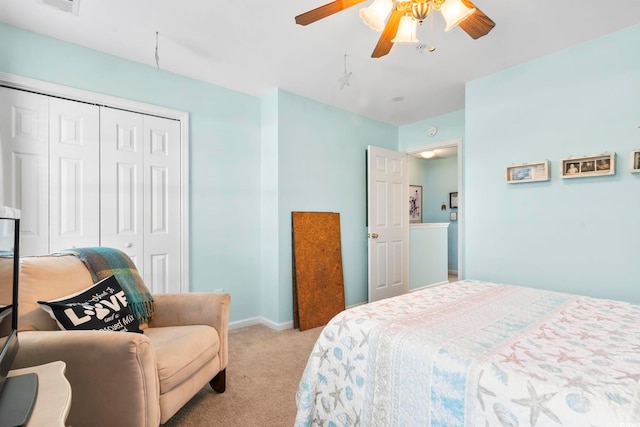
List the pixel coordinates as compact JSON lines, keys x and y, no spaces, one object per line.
{"x":373,"y":235}
{"x":127,"y":245}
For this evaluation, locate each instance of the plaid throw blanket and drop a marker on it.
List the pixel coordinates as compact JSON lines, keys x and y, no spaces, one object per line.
{"x":104,"y":262}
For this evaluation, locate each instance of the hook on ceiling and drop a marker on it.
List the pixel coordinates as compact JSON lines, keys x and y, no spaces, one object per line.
{"x":157,"y":55}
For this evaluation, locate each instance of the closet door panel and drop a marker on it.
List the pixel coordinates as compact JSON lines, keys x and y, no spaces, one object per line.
{"x":85,"y":175}
{"x":74,"y":162}
{"x":162,"y":204}
{"x":121,"y":183}
{"x":24,"y":151}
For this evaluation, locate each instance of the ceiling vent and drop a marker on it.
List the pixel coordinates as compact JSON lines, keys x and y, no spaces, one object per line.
{"x":67,"y":6}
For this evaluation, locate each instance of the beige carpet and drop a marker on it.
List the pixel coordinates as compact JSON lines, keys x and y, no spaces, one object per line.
{"x":264,"y":369}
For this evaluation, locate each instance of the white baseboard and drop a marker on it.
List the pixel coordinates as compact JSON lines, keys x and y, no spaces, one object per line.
{"x":260,"y":321}
{"x":266,"y":322}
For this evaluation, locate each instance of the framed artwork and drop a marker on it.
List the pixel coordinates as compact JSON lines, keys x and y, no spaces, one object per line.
{"x":453,"y":216}
{"x":528,"y":172}
{"x":453,"y":200}
{"x":635,"y":161}
{"x":415,"y":203}
{"x":578,"y":167}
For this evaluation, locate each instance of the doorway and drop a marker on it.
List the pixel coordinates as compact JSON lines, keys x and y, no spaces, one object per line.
{"x":443,"y":150}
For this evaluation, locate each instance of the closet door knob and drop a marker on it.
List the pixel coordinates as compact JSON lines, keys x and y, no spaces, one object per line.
{"x":127,"y":245}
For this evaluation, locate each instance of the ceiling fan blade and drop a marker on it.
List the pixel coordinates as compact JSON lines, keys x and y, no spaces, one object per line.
{"x":478,"y":24}
{"x":324,"y":11}
{"x":384,"y":42}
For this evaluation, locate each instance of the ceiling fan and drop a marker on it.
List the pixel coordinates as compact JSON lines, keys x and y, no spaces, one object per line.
{"x":401,"y":25}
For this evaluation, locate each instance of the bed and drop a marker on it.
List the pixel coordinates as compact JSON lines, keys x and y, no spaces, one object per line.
{"x":474,"y":353}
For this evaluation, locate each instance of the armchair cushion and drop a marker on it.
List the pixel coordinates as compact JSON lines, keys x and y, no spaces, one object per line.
{"x":45,"y":278}
{"x":181,"y":351}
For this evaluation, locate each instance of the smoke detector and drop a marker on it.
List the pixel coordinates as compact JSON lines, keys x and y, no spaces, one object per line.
{"x":67,"y":6}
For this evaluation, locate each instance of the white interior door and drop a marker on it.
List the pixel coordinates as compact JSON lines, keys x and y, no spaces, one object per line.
{"x":121,"y":191}
{"x":140,"y":190}
{"x":24,"y":159}
{"x":162,"y":204}
{"x":388,"y":222}
{"x":74,"y":163}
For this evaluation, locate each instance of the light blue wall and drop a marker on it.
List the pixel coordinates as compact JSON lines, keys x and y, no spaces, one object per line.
{"x":253,"y":161}
{"x":450,"y":126}
{"x":265,"y":157}
{"x":418,"y":176}
{"x":322,"y":168}
{"x":440,"y":180}
{"x":428,"y":262}
{"x":269,"y":233}
{"x":575,"y":235}
{"x":225,"y":132}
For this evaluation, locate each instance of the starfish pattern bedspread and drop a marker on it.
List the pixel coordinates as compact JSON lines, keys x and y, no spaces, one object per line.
{"x":474,"y":353}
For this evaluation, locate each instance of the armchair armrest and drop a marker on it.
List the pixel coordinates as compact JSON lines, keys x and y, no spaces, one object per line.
{"x":195,"y":308}
{"x":111,"y":374}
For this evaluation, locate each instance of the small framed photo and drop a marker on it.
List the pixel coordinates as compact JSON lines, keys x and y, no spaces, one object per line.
{"x":635,"y":161}
{"x":415,"y":203}
{"x":453,"y":200}
{"x":453,"y":216}
{"x":578,"y":167}
{"x":528,"y":172}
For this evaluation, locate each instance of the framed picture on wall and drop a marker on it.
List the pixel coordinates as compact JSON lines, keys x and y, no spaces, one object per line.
{"x":453,"y":200}
{"x":599,"y":164}
{"x":528,"y":172}
{"x":415,"y":203}
{"x":635,"y":161}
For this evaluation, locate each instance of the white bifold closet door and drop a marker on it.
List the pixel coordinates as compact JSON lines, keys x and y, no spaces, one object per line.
{"x":24,"y":143}
{"x":87,"y":175}
{"x":49,"y":150}
{"x":74,"y":164}
{"x":140,"y":193}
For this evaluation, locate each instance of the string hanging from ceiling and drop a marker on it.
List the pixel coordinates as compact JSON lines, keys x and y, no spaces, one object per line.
{"x":157,"y":55}
{"x":344,"y":80}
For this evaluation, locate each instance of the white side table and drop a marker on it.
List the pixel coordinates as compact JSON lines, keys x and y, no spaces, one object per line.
{"x":54,"y":394}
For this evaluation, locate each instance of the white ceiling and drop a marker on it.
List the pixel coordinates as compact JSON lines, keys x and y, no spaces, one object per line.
{"x":254,"y":46}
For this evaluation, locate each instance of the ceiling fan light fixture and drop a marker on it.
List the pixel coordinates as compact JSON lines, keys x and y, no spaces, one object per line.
{"x":397,"y":19}
{"x":420,"y":9}
{"x":454,"y":12}
{"x":376,"y":14}
{"x":406,"y":31}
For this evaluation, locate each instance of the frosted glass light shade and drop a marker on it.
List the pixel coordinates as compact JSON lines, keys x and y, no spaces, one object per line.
{"x":406,"y":31}
{"x":375,"y":15}
{"x":454,"y":12}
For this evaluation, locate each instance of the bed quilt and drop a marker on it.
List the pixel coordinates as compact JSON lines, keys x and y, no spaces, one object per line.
{"x":474,"y":353}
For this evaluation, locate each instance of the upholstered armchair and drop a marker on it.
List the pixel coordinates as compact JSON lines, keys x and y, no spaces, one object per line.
{"x":123,"y":378}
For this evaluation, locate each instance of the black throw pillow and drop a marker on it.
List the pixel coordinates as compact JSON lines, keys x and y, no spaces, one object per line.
{"x":101,"y":307}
